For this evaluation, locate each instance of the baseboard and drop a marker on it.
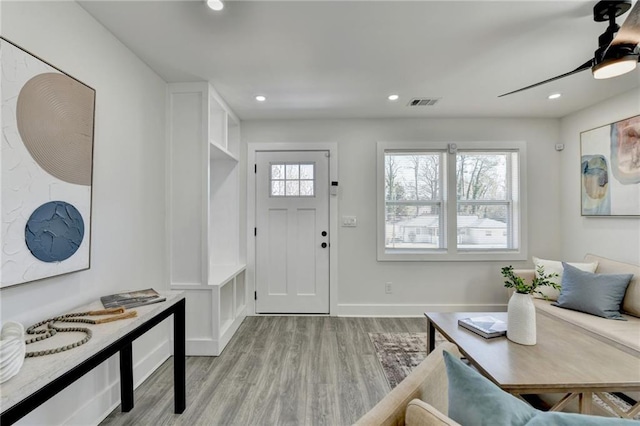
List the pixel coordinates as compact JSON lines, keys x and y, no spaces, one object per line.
{"x":99,"y":407}
{"x":407,"y":310}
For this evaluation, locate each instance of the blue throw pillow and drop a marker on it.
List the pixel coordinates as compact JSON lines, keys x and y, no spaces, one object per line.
{"x":595,"y":294}
{"x":476,"y":401}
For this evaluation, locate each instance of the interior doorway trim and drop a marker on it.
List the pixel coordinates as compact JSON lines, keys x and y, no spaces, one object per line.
{"x":252,"y":148}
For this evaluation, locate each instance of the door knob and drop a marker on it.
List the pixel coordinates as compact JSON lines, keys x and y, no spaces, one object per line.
{"x":324,"y":233}
{"x":324,"y":245}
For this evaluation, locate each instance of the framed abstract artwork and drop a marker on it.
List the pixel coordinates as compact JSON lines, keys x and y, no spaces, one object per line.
{"x":610,"y":169}
{"x":46,"y":168}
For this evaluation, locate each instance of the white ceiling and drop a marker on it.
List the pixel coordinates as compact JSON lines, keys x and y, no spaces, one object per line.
{"x":340,"y":59}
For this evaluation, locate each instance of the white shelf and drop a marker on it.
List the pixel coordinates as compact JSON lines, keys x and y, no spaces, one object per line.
{"x":225,"y":326}
{"x":216,"y":152}
{"x":217,"y":121}
{"x":219,"y":275}
{"x":233,"y":134}
{"x":210,"y":274}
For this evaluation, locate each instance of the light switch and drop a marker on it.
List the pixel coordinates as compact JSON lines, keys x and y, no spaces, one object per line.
{"x":349,"y":221}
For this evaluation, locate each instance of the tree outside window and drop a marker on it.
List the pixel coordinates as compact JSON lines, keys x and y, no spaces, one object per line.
{"x":485,"y":207}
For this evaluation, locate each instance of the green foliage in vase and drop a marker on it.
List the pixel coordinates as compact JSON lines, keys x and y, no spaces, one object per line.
{"x":517,"y":283}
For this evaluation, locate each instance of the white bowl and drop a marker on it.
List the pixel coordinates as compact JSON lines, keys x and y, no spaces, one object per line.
{"x":12,"y":350}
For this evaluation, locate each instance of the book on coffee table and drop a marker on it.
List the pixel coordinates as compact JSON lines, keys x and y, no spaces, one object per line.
{"x":485,"y":326}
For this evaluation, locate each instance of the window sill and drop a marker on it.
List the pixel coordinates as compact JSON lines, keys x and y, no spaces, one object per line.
{"x":444,"y":256}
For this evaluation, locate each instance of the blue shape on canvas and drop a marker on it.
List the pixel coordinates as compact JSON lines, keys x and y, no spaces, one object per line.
{"x":54,"y":231}
{"x":596,"y":198}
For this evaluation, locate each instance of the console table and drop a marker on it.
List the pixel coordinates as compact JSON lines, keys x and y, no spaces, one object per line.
{"x":41,"y":378}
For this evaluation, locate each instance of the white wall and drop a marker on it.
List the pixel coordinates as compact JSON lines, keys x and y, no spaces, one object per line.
{"x":615,"y":238}
{"x":418,"y":286}
{"x":128,"y":220}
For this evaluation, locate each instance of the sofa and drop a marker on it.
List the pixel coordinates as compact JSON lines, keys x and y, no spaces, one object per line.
{"x":624,"y":335}
{"x":442,"y":383}
{"x":422,"y":398}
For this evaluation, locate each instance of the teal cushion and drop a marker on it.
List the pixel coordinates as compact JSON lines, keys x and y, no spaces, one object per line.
{"x":476,"y":401}
{"x":595,"y":294}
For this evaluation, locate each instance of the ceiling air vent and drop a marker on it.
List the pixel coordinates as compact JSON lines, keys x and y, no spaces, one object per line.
{"x":423,"y":102}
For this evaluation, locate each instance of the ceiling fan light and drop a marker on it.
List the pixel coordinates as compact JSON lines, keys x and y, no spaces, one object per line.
{"x":615,"y":67}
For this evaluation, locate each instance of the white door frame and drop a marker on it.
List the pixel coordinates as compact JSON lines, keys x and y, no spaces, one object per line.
{"x":252,"y":148}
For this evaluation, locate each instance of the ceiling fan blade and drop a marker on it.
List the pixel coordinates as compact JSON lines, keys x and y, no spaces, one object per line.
{"x":587,"y":65}
{"x":629,"y":32}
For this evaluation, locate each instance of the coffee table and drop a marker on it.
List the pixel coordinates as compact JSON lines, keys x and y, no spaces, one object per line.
{"x":564,"y":360}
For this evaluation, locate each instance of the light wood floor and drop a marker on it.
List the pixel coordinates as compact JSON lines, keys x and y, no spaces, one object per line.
{"x":276,"y":371}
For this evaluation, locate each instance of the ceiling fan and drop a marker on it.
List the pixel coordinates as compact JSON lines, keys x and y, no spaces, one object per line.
{"x":619,"y":47}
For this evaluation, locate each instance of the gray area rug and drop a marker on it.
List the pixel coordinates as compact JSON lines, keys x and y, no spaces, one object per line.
{"x":399,"y":353}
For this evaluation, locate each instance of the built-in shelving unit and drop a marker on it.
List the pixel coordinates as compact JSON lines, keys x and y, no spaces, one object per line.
{"x":204,"y":250}
{"x":219,"y":153}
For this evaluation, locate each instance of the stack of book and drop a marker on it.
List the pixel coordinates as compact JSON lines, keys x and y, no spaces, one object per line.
{"x":132,"y":299}
{"x":485,"y":326}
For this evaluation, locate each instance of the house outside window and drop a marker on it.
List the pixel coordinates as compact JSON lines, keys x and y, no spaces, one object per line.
{"x":441,"y":201}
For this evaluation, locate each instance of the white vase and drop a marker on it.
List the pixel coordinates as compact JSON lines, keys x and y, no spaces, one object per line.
{"x":521,"y":319}
{"x":12,"y":350}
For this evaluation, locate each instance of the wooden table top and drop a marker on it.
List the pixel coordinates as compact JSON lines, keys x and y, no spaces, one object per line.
{"x":564,"y":359}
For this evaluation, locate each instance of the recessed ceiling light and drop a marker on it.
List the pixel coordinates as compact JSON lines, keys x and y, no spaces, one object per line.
{"x":261,"y":98}
{"x":215,"y":4}
{"x":393,"y":97}
{"x":554,"y":96}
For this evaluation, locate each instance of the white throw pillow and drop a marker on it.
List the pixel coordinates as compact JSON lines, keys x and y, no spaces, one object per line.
{"x":554,"y":266}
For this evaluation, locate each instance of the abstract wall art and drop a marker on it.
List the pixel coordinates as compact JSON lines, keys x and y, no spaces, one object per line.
{"x":45,"y":170}
{"x":610,"y":169}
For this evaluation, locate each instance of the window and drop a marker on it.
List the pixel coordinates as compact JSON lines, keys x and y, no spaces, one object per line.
{"x":442,"y":201}
{"x":292,"y":180}
{"x":413,"y":187}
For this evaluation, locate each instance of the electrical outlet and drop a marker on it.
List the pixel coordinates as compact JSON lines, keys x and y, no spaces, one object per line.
{"x":387,"y":288}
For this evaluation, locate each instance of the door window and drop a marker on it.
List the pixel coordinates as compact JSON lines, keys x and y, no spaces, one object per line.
{"x":292,"y":180}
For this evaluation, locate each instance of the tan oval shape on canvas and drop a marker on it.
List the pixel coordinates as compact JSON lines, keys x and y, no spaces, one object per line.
{"x":55,"y":121}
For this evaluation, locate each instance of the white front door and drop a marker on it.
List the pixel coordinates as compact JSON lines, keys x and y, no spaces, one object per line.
{"x":292,"y":232}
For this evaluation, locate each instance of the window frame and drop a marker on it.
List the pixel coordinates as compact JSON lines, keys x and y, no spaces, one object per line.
{"x":450,"y":251}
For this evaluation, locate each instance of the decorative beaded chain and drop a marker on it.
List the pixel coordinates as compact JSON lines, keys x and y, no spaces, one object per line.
{"x":52,"y":330}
